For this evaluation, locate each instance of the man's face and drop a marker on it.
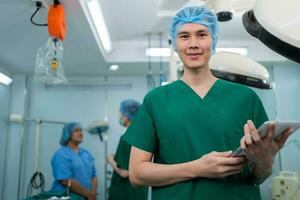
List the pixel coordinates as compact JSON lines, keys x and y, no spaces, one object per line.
{"x":194,"y":43}
{"x":77,"y":136}
{"x":123,"y":119}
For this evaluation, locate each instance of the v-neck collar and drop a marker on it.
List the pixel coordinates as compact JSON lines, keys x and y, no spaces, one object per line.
{"x":211,"y":92}
{"x":73,"y":150}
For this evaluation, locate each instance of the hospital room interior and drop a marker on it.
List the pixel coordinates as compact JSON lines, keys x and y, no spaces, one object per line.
{"x":88,"y":67}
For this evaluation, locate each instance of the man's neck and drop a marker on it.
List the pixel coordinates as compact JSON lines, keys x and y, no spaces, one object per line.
{"x":73,"y":146}
{"x":200,"y":77}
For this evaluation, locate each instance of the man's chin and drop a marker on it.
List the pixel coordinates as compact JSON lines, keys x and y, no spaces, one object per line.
{"x":195,"y":66}
{"x":79,"y":141}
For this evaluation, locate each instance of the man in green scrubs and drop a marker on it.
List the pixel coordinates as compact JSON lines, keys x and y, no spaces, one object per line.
{"x":189,"y":127}
{"x":120,"y":187}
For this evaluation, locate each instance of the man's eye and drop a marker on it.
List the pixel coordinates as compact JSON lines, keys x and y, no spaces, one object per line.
{"x":202,"y":35}
{"x":183,"y":36}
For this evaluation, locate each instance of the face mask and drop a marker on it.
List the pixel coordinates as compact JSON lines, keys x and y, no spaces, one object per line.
{"x":121,"y":121}
{"x":78,"y":137}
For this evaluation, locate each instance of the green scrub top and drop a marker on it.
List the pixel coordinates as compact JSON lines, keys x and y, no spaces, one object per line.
{"x":121,"y":188}
{"x":177,"y":125}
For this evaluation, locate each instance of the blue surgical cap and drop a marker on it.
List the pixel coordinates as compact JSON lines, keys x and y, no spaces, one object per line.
{"x":129,"y":108}
{"x":197,"y":15}
{"x":67,"y":131}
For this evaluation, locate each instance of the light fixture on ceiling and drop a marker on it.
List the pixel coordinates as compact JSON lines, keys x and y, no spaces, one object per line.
{"x":240,"y":51}
{"x":95,"y":17}
{"x":166,"y":52}
{"x":114,"y":67}
{"x":158,"y":52}
{"x":5,"y":80}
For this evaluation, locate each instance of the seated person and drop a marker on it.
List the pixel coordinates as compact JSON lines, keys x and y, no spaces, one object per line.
{"x":74,"y":166}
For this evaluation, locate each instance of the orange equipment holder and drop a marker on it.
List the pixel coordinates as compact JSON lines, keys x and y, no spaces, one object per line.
{"x":57,"y":22}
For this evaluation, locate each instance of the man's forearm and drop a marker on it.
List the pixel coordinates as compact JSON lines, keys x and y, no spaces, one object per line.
{"x":161,"y":174}
{"x":76,"y":187}
{"x":121,"y":172}
{"x":94,"y":184}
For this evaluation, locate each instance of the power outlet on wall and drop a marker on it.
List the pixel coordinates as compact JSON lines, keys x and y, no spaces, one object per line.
{"x":43,"y":3}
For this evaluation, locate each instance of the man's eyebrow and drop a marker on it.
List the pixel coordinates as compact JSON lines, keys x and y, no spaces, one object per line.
{"x":203,"y":31}
{"x":182,"y":32}
{"x":187,"y":32}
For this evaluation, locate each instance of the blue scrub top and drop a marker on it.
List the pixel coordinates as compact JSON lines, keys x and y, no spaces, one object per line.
{"x":69,"y":164}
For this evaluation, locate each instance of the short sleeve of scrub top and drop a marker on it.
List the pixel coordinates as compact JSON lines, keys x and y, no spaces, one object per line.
{"x":61,"y":167}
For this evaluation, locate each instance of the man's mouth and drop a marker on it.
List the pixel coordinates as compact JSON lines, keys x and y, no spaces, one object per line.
{"x":194,"y":54}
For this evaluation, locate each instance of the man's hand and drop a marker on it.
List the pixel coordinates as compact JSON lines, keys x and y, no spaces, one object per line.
{"x":91,"y":196}
{"x":218,"y":165}
{"x":110,"y":158}
{"x":79,"y":189}
{"x":122,"y":172}
{"x":259,"y":150}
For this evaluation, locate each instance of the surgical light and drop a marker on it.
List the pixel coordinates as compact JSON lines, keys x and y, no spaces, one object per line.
{"x":240,"y":51}
{"x":279,"y":32}
{"x":239,"y":69}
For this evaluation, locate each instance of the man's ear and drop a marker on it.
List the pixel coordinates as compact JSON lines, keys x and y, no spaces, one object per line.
{"x":127,"y":120}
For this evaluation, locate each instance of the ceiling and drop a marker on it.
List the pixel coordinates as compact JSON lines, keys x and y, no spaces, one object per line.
{"x":127,"y":22}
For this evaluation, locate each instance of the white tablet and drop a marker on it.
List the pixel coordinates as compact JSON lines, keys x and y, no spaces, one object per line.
{"x":280,"y":127}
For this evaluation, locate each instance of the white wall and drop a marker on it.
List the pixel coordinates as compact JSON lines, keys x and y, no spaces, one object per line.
{"x":4,"y":110}
{"x":14,"y":139}
{"x":288,"y":98}
{"x":268,"y":100}
{"x":83,"y":104}
{"x":285,"y":106}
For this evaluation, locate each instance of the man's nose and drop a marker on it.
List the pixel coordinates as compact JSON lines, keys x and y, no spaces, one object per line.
{"x":193,"y":43}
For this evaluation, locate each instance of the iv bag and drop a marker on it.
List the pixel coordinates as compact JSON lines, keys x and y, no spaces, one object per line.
{"x":48,"y":66}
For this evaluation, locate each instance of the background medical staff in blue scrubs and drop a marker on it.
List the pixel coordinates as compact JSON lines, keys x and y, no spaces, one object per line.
{"x":73,"y":165}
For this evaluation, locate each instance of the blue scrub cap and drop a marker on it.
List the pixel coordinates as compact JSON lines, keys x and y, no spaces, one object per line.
{"x":198,"y":15}
{"x":67,"y":131}
{"x":129,"y":108}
